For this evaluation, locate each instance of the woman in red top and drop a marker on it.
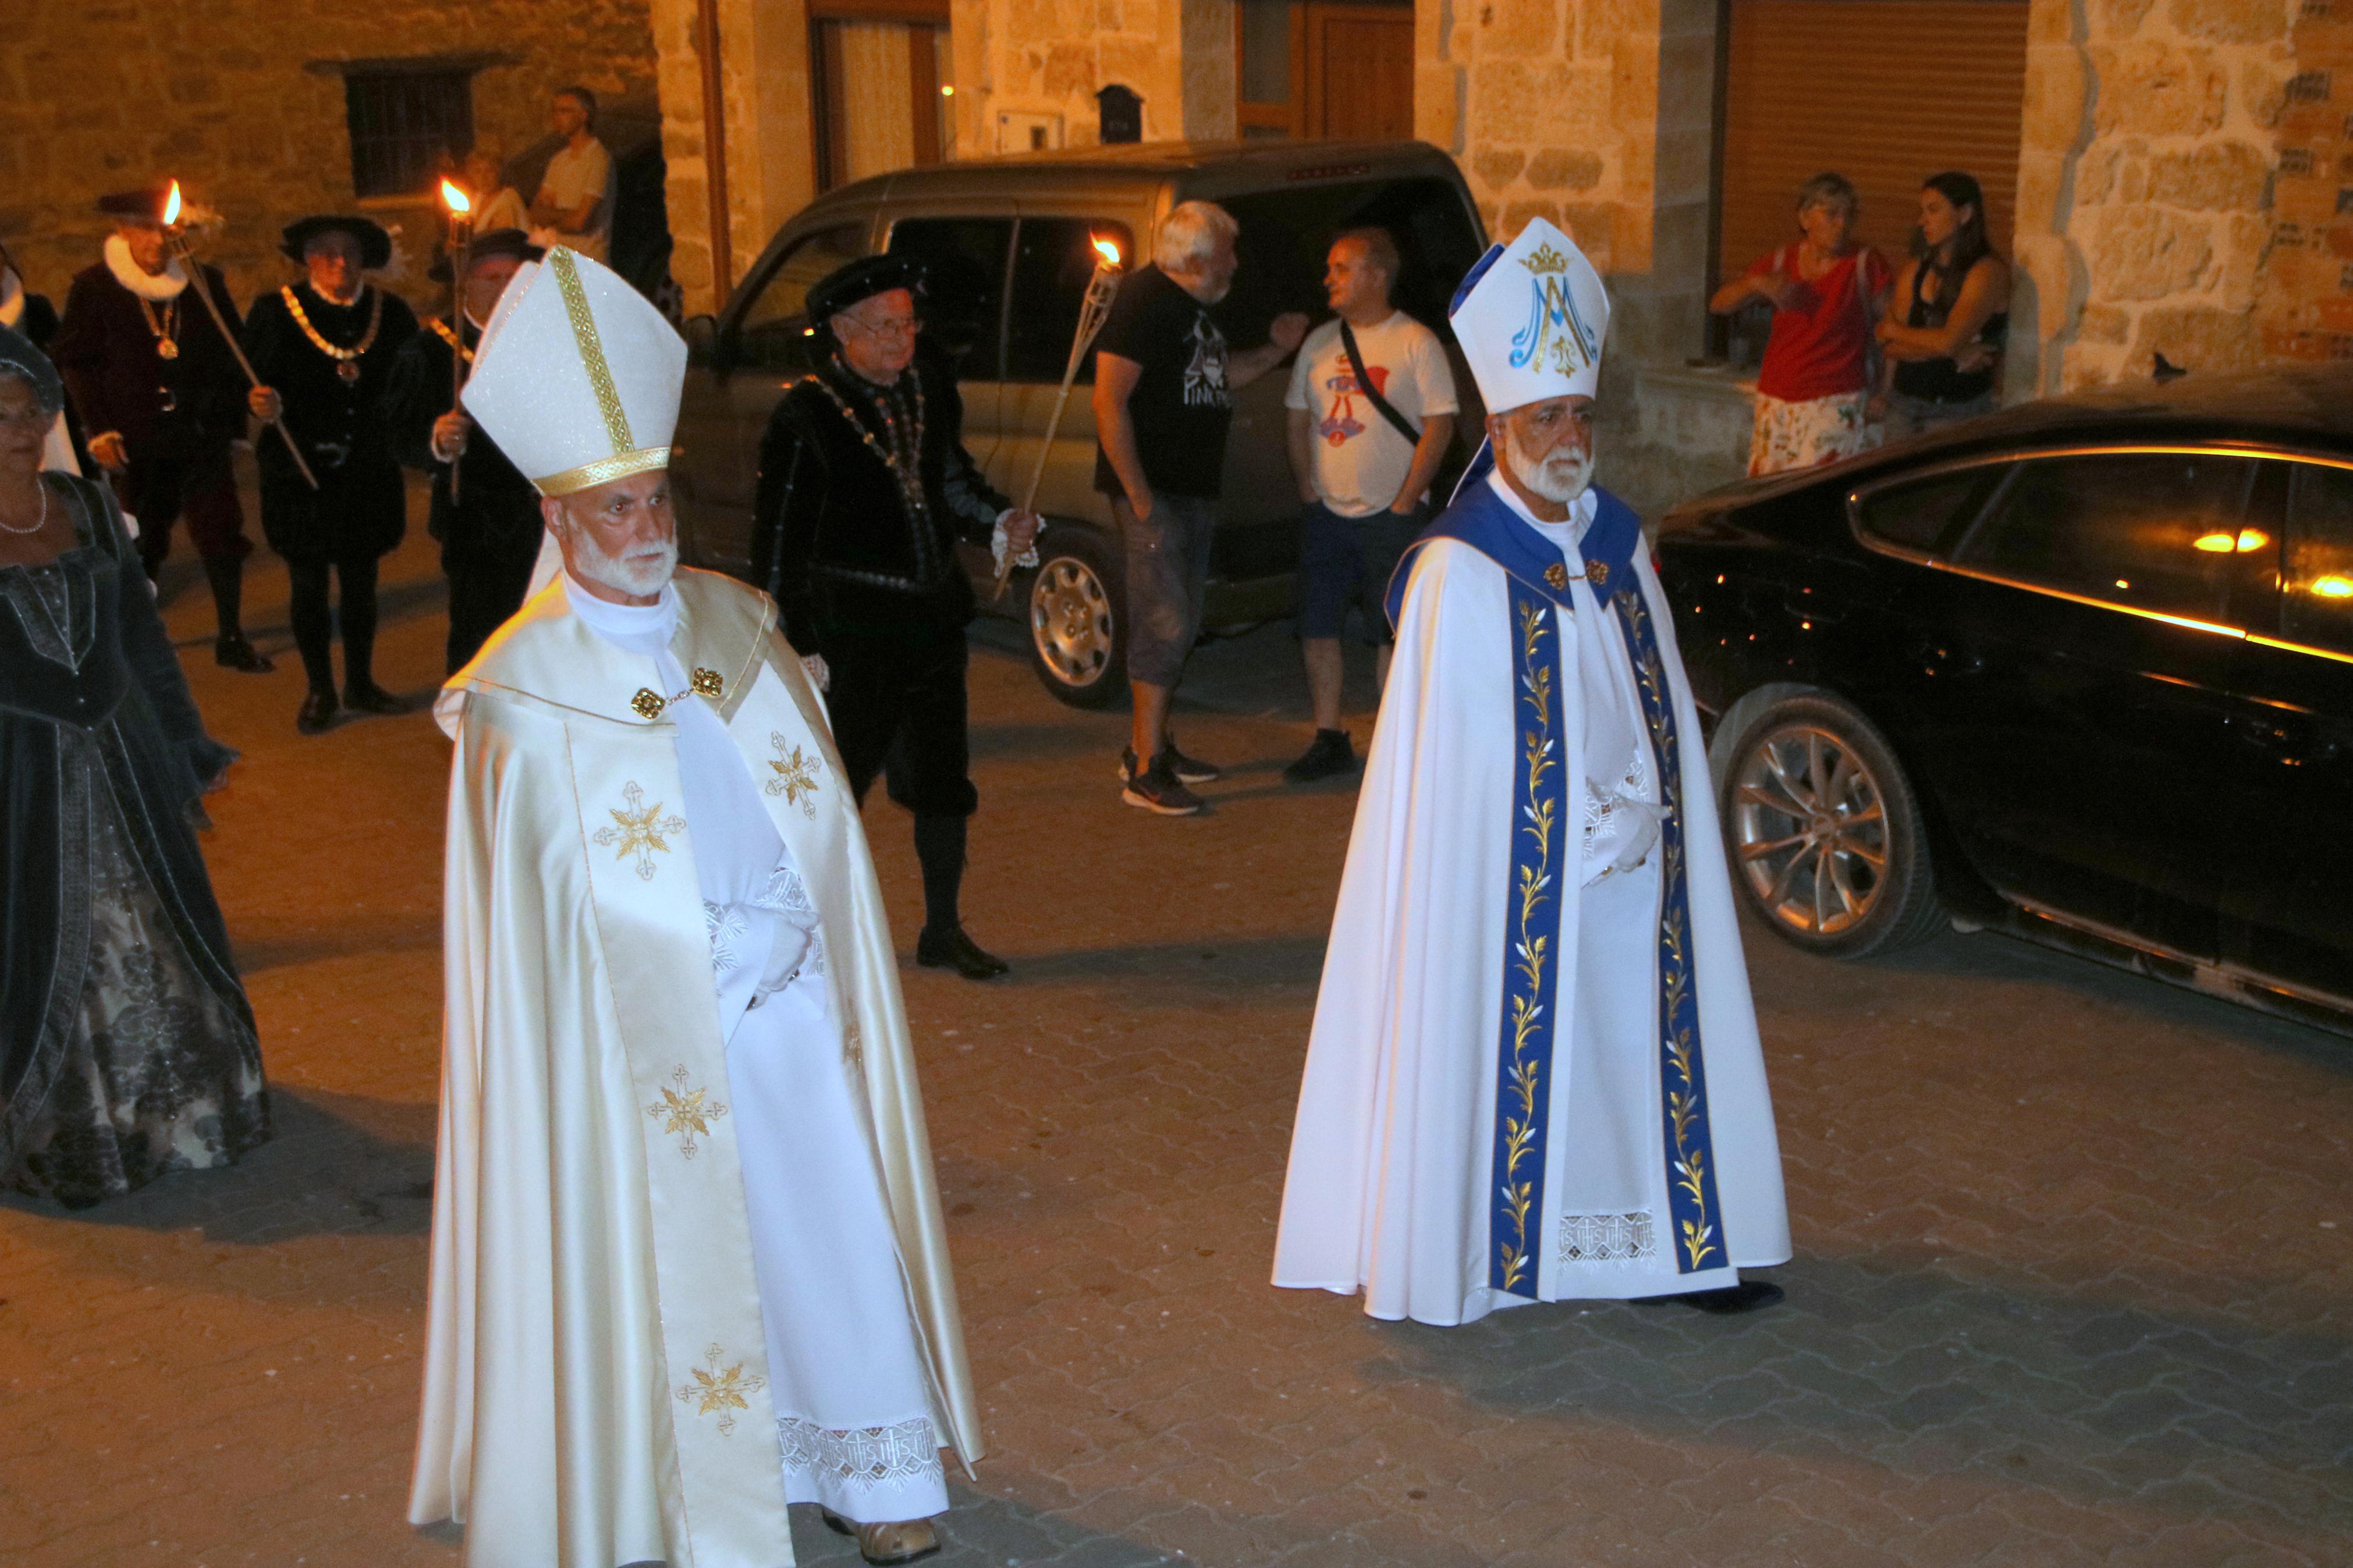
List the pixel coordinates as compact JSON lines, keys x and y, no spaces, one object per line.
{"x":1828,"y":293}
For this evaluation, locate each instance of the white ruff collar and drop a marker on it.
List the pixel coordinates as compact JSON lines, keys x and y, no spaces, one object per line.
{"x":11,"y":297}
{"x":147,"y":284}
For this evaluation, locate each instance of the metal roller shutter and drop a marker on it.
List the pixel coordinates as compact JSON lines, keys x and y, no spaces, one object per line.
{"x":1886,"y":92}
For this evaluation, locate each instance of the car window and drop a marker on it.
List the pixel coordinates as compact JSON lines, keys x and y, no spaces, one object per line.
{"x":771,"y":332}
{"x":2150,"y":531}
{"x":2316,"y":601}
{"x":1918,"y":514}
{"x":1052,"y":261}
{"x":1285,"y":235}
{"x":963,"y":288}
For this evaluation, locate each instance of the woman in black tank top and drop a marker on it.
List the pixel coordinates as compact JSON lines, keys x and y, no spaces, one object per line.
{"x":1954,"y":302}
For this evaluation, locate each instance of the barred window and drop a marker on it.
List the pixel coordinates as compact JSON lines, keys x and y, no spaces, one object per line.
{"x":403,"y":122}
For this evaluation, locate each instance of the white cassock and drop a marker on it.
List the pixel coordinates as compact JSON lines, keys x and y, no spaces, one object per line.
{"x":687,"y":1263}
{"x":1480,"y":1124}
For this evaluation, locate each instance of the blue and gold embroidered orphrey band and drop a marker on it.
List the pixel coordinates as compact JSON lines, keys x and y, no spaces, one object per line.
{"x":1531,"y":966}
{"x":592,"y":349}
{"x":1699,"y":1239}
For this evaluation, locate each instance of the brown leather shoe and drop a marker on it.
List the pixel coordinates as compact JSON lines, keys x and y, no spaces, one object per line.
{"x":900,"y":1541}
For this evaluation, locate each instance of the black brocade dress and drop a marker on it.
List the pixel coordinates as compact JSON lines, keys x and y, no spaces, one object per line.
{"x":127,"y":1047}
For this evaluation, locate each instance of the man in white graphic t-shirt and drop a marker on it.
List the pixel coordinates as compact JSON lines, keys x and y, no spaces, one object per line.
{"x":1364,"y":470}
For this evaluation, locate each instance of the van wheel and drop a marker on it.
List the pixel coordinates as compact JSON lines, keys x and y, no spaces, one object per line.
{"x":1824,"y":831}
{"x":1078,"y":620}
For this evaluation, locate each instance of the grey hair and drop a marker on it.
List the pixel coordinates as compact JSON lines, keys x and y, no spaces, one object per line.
{"x":1190,"y":234}
{"x":1380,"y":248}
{"x":1828,"y":188}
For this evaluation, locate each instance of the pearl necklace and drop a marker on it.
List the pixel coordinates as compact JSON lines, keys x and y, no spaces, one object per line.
{"x":39,"y":523}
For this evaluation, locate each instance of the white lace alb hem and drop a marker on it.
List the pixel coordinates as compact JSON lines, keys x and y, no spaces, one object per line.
{"x":1607,"y":1237}
{"x":862,"y":1455}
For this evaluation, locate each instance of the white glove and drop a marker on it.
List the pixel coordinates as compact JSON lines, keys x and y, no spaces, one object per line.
{"x":786,"y":952}
{"x":1641,"y":833}
{"x":813,"y":665}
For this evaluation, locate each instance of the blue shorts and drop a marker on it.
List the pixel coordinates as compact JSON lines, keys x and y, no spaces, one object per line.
{"x":1346,"y":561}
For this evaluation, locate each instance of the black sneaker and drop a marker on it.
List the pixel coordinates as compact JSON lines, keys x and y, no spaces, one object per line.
{"x":1329,"y":757}
{"x":1157,"y":789}
{"x":1188,"y":768}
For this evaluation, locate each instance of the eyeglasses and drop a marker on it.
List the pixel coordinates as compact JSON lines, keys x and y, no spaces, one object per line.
{"x":900,"y":327}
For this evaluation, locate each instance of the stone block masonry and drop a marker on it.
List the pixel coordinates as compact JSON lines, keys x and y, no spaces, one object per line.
{"x":245,"y":104}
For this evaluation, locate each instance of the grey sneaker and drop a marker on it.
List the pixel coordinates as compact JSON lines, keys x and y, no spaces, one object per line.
{"x":1157,"y":789}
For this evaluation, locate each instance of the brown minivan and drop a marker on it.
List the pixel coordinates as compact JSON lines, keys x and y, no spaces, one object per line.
{"x":1009,"y":243}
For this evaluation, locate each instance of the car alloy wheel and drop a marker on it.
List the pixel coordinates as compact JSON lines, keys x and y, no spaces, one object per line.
{"x":1810,"y":829}
{"x":1825,"y":833}
{"x":1074,"y":632}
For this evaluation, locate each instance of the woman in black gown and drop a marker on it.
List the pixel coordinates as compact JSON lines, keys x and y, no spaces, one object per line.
{"x":126,"y":1045}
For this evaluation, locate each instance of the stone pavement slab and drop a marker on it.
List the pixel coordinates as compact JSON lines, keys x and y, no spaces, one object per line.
{"x":2071,"y":1288}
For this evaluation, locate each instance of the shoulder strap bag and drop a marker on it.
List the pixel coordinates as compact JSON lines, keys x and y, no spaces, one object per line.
{"x":1372,"y":394}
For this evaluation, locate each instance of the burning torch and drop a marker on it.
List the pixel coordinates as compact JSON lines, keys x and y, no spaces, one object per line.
{"x":178,"y":241}
{"x":461,"y":231}
{"x":1101,"y":289}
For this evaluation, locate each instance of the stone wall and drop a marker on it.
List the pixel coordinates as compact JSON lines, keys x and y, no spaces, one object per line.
{"x":242,"y":104}
{"x":2147,"y":197}
{"x":764,"y":93}
{"x":1049,"y":58}
{"x":1595,"y":115}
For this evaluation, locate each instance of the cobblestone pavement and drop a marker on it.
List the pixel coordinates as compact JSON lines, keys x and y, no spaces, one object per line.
{"x":2074,"y":1250}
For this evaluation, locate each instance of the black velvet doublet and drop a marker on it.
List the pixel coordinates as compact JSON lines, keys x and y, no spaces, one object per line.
{"x":835,"y":539}
{"x":359,"y":510}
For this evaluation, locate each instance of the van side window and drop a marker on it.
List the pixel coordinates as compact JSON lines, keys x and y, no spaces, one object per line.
{"x":2316,"y":589}
{"x":769,"y":335}
{"x":1052,"y":262}
{"x":1286,"y":234}
{"x":963,"y":290}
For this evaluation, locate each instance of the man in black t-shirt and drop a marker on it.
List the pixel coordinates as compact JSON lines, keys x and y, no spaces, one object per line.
{"x":1163,"y":386}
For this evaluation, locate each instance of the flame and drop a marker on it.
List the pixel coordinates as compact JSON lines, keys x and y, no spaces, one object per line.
{"x":458,"y":201}
{"x":172,"y":205}
{"x":1108,"y":249}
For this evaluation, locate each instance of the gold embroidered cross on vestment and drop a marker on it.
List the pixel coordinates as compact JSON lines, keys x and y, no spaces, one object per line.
{"x":685,"y":1111}
{"x":640,"y":830}
{"x":720,"y":1392}
{"x":795,"y":777}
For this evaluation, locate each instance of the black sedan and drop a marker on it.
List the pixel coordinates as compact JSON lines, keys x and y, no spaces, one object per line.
{"x":2082,"y":670}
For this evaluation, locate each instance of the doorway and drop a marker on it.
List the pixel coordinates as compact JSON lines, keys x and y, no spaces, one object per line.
{"x":1322,"y":69}
{"x":882,"y":86}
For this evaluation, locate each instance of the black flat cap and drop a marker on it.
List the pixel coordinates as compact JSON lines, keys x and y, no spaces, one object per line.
{"x":498,"y":242}
{"x":376,"y":246}
{"x":843,"y":287}
{"x":144,"y":204}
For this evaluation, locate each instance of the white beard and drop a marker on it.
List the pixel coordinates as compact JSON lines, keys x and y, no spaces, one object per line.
{"x":641,"y":574}
{"x":1561,"y":478}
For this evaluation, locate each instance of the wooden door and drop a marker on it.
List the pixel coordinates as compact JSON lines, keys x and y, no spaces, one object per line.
{"x":1359,"y":71}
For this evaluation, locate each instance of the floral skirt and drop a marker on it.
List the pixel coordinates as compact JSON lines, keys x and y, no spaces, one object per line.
{"x":1792,"y":436}
{"x":161,"y":1074}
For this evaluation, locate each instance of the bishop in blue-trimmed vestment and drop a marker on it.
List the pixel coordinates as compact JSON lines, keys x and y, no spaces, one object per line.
{"x":1534,"y":1074}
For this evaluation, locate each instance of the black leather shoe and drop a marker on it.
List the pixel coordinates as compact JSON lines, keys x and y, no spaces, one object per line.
{"x":233,"y":652}
{"x":367,"y":697}
{"x":958,"y":951}
{"x":1748,"y":1296}
{"x":316,"y":714}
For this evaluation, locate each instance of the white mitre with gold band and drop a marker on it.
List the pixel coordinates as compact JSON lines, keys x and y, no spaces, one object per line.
{"x":577,"y":377}
{"x":1531,"y":318}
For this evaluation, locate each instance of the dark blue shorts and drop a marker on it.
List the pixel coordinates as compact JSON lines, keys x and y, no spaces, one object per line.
{"x":1346,"y":561}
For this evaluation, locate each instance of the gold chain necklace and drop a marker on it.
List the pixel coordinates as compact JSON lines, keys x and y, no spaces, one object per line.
{"x":166,"y":327}
{"x":442,"y":328}
{"x":346,"y":360}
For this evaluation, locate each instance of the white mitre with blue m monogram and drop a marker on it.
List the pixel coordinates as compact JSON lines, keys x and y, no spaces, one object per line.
{"x":1532,"y":318}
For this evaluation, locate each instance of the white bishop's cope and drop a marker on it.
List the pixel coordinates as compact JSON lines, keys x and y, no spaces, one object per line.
{"x":597,"y":1385}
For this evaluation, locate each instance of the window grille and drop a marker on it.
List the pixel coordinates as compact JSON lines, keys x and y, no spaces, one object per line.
{"x":403,"y":123}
